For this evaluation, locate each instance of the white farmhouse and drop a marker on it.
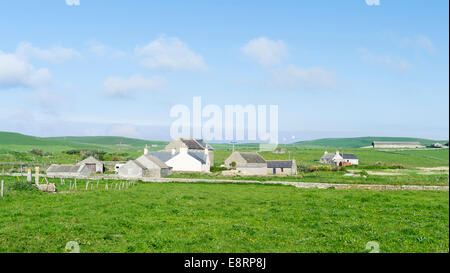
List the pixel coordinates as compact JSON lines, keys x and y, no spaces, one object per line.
{"x":331,"y":158}
{"x":339,"y":159}
{"x":185,"y":160}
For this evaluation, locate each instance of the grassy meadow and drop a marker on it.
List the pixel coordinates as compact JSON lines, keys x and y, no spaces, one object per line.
{"x":205,"y":217}
{"x":182,"y":217}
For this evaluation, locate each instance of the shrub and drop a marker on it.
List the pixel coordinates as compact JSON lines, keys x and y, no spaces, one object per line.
{"x":22,"y":186}
{"x":37,"y":152}
{"x":217,"y":169}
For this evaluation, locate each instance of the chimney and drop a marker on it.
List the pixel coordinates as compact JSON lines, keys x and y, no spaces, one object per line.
{"x":146,"y":150}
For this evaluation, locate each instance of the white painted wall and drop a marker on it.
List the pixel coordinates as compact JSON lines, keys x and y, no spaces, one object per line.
{"x":183,"y":162}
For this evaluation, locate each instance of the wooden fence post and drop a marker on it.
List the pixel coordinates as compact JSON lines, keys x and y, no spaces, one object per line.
{"x":3,"y":182}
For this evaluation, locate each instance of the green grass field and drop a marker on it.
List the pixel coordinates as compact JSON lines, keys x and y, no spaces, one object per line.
{"x":177,"y":217}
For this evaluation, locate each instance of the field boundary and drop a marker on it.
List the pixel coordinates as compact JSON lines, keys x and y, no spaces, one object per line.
{"x":304,"y":185}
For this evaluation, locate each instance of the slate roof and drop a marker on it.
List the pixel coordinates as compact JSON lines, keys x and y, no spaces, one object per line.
{"x":200,"y":156}
{"x":252,"y":157}
{"x":349,"y":156}
{"x":63,"y":168}
{"x":153,"y":159}
{"x":328,"y":156}
{"x":204,"y":144}
{"x":279,"y":164}
{"x":192,"y":144}
{"x":162,"y":155}
{"x":139,"y":164}
{"x":90,"y":159}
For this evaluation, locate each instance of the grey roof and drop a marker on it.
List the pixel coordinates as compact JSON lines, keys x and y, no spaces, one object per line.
{"x":192,"y":144}
{"x":162,"y":155}
{"x":328,"y":156}
{"x":279,"y":164}
{"x":395,"y":143}
{"x":153,"y":159}
{"x":349,"y":156}
{"x":200,"y":156}
{"x":139,"y":164}
{"x":90,"y":159}
{"x":252,"y":157}
{"x":204,"y":144}
{"x":63,"y":168}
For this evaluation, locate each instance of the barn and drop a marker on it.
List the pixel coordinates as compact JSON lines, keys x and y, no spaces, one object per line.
{"x":145,"y":166}
{"x":247,"y":163}
{"x":396,"y":144}
{"x":93,"y":164}
{"x":282,"y":167}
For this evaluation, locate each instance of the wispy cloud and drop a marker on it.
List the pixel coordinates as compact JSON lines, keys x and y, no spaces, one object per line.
{"x":425,"y":43}
{"x":17,"y":72}
{"x":264,"y":51}
{"x":126,"y":87}
{"x":313,"y":78}
{"x":373,"y":2}
{"x":397,"y":63}
{"x":170,"y":54}
{"x":56,"y":54}
{"x":73,"y":2}
{"x":103,"y":50}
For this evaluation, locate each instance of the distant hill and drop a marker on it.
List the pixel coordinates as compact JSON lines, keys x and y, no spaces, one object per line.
{"x":20,"y":142}
{"x":358,"y":142}
{"x":109,"y":140}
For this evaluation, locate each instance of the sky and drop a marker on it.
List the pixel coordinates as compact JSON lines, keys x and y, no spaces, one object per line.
{"x":334,"y":68}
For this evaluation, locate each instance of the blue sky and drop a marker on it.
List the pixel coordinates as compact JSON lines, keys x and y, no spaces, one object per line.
{"x":334,"y":68}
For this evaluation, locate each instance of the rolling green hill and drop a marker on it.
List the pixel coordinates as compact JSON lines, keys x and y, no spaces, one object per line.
{"x":358,"y":142}
{"x":20,"y":142}
{"x":108,"y":140}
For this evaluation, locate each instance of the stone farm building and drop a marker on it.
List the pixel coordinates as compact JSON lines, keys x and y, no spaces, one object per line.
{"x":192,"y":145}
{"x":287,"y":167}
{"x":93,"y":164}
{"x":251,"y":163}
{"x":83,"y":168}
{"x":396,"y":144}
{"x":339,"y":159}
{"x":247,"y":163}
{"x":144,"y":166}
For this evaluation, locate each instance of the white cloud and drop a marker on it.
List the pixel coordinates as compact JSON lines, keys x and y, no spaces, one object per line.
{"x":313,"y":77}
{"x":123,"y":130}
{"x":102,"y":50}
{"x":169,"y":53}
{"x":398,"y":64}
{"x":16,"y":72}
{"x":373,"y":2}
{"x":125,"y":87}
{"x":73,"y":2}
{"x":265,"y":51}
{"x":425,"y":43}
{"x":56,"y":54}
